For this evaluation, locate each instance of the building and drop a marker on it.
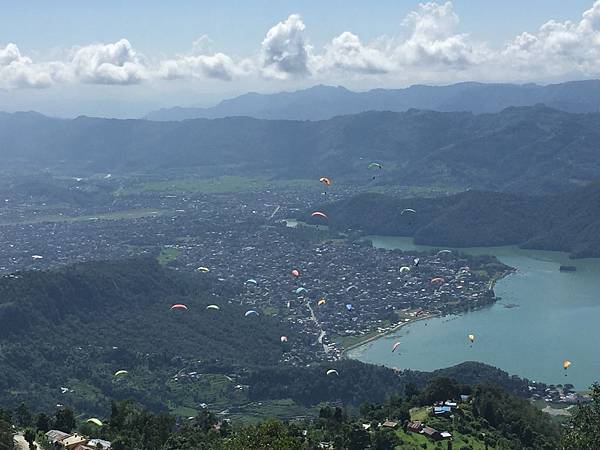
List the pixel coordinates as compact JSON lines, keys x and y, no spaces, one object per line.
{"x":56,"y":436}
{"x":414,"y":427}
{"x":442,"y":410}
{"x":73,"y":441}
{"x":99,"y":443}
{"x":431,"y":433}
{"x":389,"y":424}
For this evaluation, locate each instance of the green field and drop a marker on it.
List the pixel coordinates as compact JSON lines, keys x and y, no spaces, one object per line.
{"x":117,"y":215}
{"x":167,"y":255}
{"x":217,"y":185}
{"x":411,"y":441}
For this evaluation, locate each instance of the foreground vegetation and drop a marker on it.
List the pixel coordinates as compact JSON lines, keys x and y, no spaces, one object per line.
{"x":490,"y":418}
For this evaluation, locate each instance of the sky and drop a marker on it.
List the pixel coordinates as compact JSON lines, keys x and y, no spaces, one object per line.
{"x":124,"y":58}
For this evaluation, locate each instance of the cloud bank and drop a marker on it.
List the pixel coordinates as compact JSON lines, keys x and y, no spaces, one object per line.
{"x":433,"y":50}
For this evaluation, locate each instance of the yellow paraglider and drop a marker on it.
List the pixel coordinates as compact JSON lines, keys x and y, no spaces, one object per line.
{"x":566,"y":365}
{"x":95,"y":421}
{"x":472,"y":338}
{"x":321,"y":302}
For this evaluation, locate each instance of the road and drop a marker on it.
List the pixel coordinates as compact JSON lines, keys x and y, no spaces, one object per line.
{"x":21,"y":443}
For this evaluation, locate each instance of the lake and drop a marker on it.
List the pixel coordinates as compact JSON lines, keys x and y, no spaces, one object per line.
{"x":557,"y":318}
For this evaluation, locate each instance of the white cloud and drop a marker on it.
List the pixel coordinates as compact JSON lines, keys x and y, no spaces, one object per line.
{"x":434,"y":41}
{"x":433,"y":51}
{"x":347,"y":53}
{"x":218,"y":65}
{"x":116,"y":63}
{"x":18,"y":71}
{"x":284,"y":52}
{"x":557,"y":48}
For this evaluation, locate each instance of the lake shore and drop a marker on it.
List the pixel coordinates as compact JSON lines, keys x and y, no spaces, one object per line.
{"x":397,"y":327}
{"x":384,"y":333}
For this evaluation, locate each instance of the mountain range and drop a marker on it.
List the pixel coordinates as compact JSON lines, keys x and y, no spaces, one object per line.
{"x":526,"y":149}
{"x":324,"y":102}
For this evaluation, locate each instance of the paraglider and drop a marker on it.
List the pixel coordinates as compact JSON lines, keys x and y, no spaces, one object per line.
{"x":295,"y":273}
{"x":349,"y":307}
{"x":252,"y":281}
{"x":437,"y":280}
{"x":395,"y":346}
{"x":375,"y":165}
{"x":95,"y":421}
{"x":180,"y":306}
{"x":351,"y":288}
{"x":443,"y":252}
{"x":472,"y":338}
{"x":321,"y":302}
{"x":566,"y":365}
{"x":326,"y":181}
{"x":332,"y":372}
{"x":283,"y":339}
{"x":203,"y":269}
{"x":404,"y":269}
{"x":407,"y":210}
{"x":319,"y":214}
{"x":214,"y":307}
{"x":120,"y":372}
{"x":301,"y":290}
{"x":250,"y":313}
{"x":416,"y":262}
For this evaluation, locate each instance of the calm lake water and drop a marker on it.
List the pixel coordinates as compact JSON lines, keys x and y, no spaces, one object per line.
{"x":558,"y":318}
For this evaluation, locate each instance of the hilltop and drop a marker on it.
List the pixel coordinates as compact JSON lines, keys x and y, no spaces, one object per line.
{"x":567,"y":222}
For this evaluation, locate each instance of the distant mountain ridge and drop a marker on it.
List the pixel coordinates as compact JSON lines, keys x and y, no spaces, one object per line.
{"x":324,"y":102}
{"x":527,"y":149}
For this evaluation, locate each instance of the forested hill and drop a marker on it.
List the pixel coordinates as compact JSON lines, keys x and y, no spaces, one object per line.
{"x":80,"y":324}
{"x":529,"y":149}
{"x":324,"y":102}
{"x":568,"y":222}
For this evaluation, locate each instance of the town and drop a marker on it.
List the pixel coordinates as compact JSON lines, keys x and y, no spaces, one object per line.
{"x":344,"y":288}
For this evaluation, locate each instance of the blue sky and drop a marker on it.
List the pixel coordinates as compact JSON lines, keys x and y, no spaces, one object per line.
{"x":124,"y":57}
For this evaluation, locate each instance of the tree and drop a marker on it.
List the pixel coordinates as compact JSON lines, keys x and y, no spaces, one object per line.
{"x":384,"y":440}
{"x":23,"y":416}
{"x":64,"y":420}
{"x":271,"y":434}
{"x":6,"y":435}
{"x":584,"y":426}
{"x":42,"y":422}
{"x":29,"y":436}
